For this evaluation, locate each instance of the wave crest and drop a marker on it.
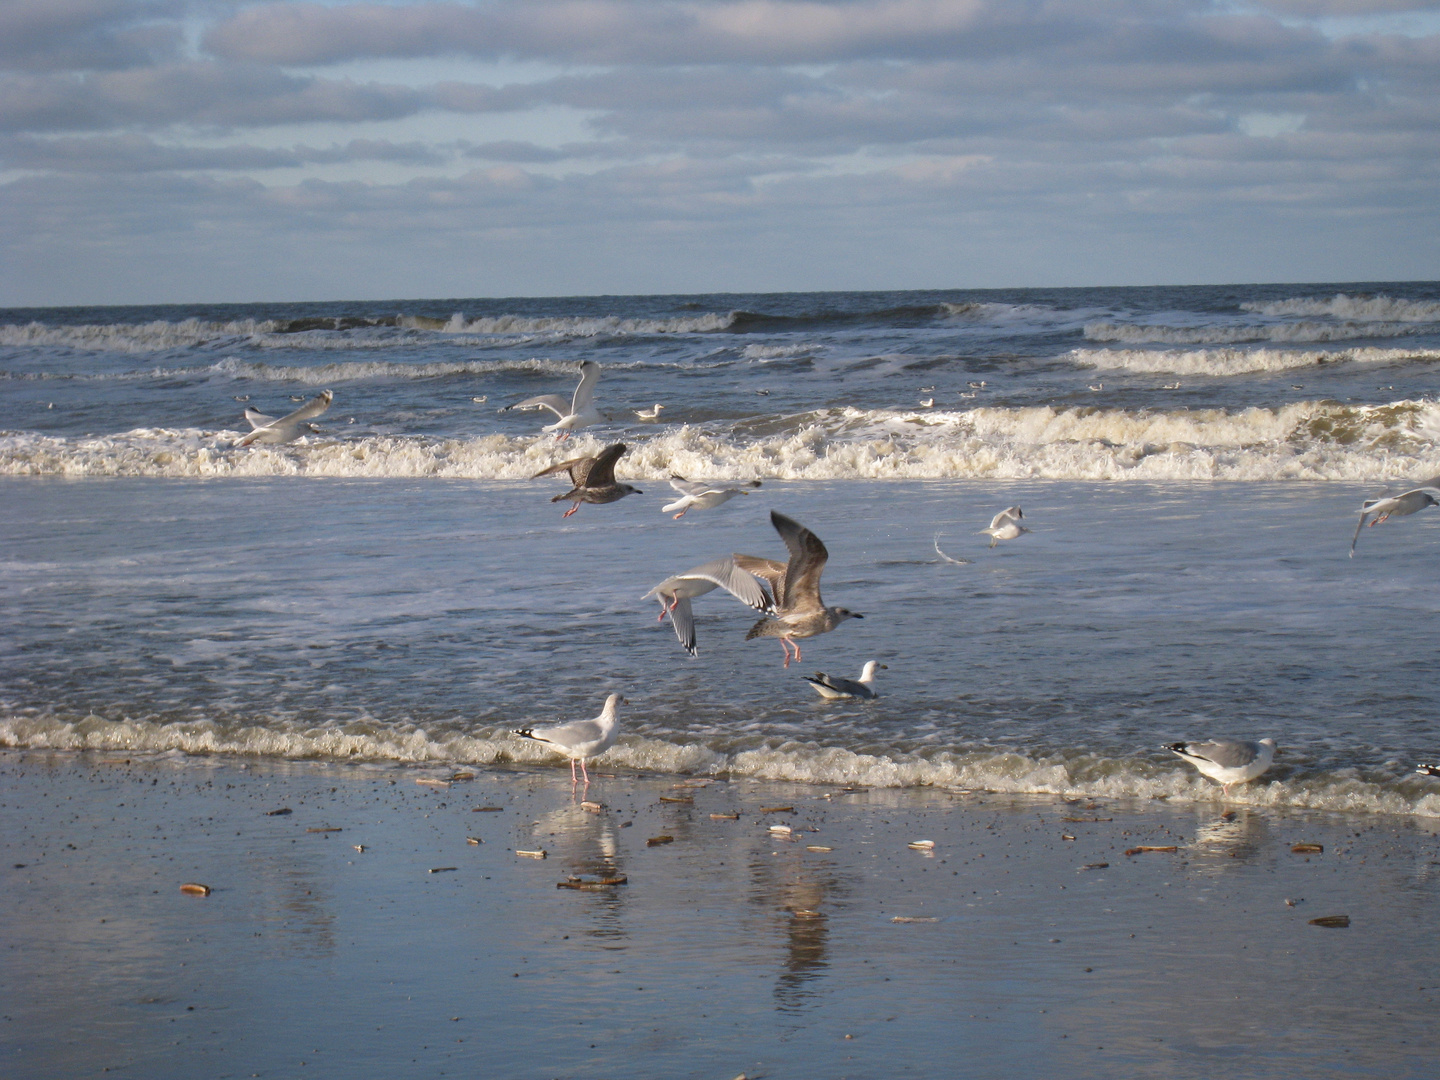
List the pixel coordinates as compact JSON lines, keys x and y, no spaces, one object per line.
{"x":1239,"y":361}
{"x":1302,"y":441}
{"x":1062,"y":773}
{"x":1356,"y":308}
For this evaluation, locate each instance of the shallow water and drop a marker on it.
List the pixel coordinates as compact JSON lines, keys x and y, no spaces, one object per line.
{"x":415,"y":620}
{"x":393,"y":586}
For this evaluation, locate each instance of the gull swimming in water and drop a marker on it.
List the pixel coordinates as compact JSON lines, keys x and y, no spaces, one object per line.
{"x":286,"y":429}
{"x":578,"y":412}
{"x":1426,"y":493}
{"x":799,"y":611}
{"x":675,"y":594}
{"x":1229,"y":761}
{"x":593,"y":479}
{"x":580,"y":739}
{"x":1005,"y":526}
{"x":828,"y":686}
{"x":699,"y":495}
{"x":649,"y":414}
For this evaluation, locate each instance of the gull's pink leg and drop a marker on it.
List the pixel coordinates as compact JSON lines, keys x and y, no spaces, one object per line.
{"x":572,"y":772}
{"x":585,"y":771}
{"x":785,"y":644}
{"x":570,"y":511}
{"x":682,"y":513}
{"x":796,"y":646}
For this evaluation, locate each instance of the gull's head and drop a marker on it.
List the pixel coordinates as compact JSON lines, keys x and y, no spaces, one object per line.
{"x":614,"y":700}
{"x":870,"y":668}
{"x":627,"y":489}
{"x":841,"y":614}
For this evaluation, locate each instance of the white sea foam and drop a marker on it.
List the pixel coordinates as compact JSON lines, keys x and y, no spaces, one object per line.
{"x":1136,"y":333}
{"x":1357,"y":308}
{"x":780,"y":352}
{"x":1071,"y":774}
{"x":590,"y":326}
{"x":1239,"y":361}
{"x":1302,"y":441}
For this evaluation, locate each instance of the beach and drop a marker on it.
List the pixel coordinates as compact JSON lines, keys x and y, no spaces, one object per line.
{"x":288,"y":675}
{"x":1025,"y":942}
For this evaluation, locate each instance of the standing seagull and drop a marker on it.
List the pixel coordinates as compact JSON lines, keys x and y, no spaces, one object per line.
{"x":675,"y":594}
{"x":701,"y":496}
{"x":1005,"y":526}
{"x":1426,"y":493}
{"x":827,"y":686}
{"x":575,"y":414}
{"x":1229,"y":761}
{"x":287,"y":428}
{"x":580,"y":739}
{"x":799,"y":611}
{"x":593,"y":479}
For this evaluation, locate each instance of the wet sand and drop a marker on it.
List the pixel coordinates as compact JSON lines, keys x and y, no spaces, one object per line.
{"x":1025,"y":943}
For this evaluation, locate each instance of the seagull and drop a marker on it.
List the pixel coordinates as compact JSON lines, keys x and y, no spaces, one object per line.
{"x":1428,"y":770}
{"x":799,"y":611}
{"x":580,"y":739}
{"x":287,"y":428}
{"x":575,"y":414}
{"x":829,"y":687}
{"x":927,"y":403}
{"x":1005,"y":525}
{"x":1229,"y":761}
{"x":1426,"y":493}
{"x":699,"y":495}
{"x":593,"y":478}
{"x":649,"y":414}
{"x":675,"y":594}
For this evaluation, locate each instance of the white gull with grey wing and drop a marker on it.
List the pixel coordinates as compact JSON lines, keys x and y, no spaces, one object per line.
{"x":1230,"y":761}
{"x":578,"y":412}
{"x":285,"y":429}
{"x":676,"y":592}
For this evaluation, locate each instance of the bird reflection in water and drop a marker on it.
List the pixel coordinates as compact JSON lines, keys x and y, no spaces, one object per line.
{"x":799,"y":891}
{"x":581,"y":838}
{"x":1237,"y":834}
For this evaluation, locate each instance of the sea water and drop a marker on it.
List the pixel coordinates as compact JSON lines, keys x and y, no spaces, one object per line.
{"x":393,"y":586}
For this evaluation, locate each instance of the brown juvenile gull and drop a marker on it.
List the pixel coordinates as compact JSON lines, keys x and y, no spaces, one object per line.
{"x":1426,"y":493}
{"x":1229,"y":761}
{"x":269,"y":429}
{"x":698,"y":495}
{"x":829,"y":686}
{"x":593,"y":479}
{"x":799,"y":611}
{"x":574,"y":414}
{"x":675,"y":594}
{"x":1005,"y":525}
{"x":580,"y":739}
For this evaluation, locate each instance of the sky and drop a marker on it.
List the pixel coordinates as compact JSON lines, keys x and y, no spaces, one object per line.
{"x":159,"y":151}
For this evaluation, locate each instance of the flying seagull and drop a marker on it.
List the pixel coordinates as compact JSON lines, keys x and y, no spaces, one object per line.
{"x":593,"y":479}
{"x":1229,"y":761}
{"x":828,"y":686}
{"x":578,"y":412}
{"x":675,"y":594}
{"x":580,"y":739}
{"x":1426,"y":493}
{"x":1005,"y":525}
{"x":697,"y":495}
{"x":286,"y":429}
{"x":799,"y":611}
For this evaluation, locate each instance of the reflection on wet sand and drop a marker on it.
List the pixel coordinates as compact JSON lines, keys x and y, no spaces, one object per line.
{"x":582,"y":839}
{"x":798,"y":888}
{"x":1237,"y":834}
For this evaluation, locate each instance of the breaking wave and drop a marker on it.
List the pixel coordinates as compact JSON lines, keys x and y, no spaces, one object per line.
{"x":1240,"y":361}
{"x":1070,"y":773}
{"x":1221,"y":335}
{"x":1302,"y":441}
{"x":1356,"y":308}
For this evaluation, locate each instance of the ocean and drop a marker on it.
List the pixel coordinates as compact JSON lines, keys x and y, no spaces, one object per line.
{"x":394,"y":587}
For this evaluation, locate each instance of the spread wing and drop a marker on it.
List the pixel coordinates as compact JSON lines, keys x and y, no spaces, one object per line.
{"x":554,"y":402}
{"x":602,"y":467}
{"x":688,"y":487}
{"x":311,"y":409}
{"x":767,"y":570}
{"x":1013,"y":514}
{"x":807,"y":561}
{"x":737,"y":582}
{"x":585,"y":391}
{"x":258,"y":419}
{"x":682,"y":618}
{"x":578,"y":468}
